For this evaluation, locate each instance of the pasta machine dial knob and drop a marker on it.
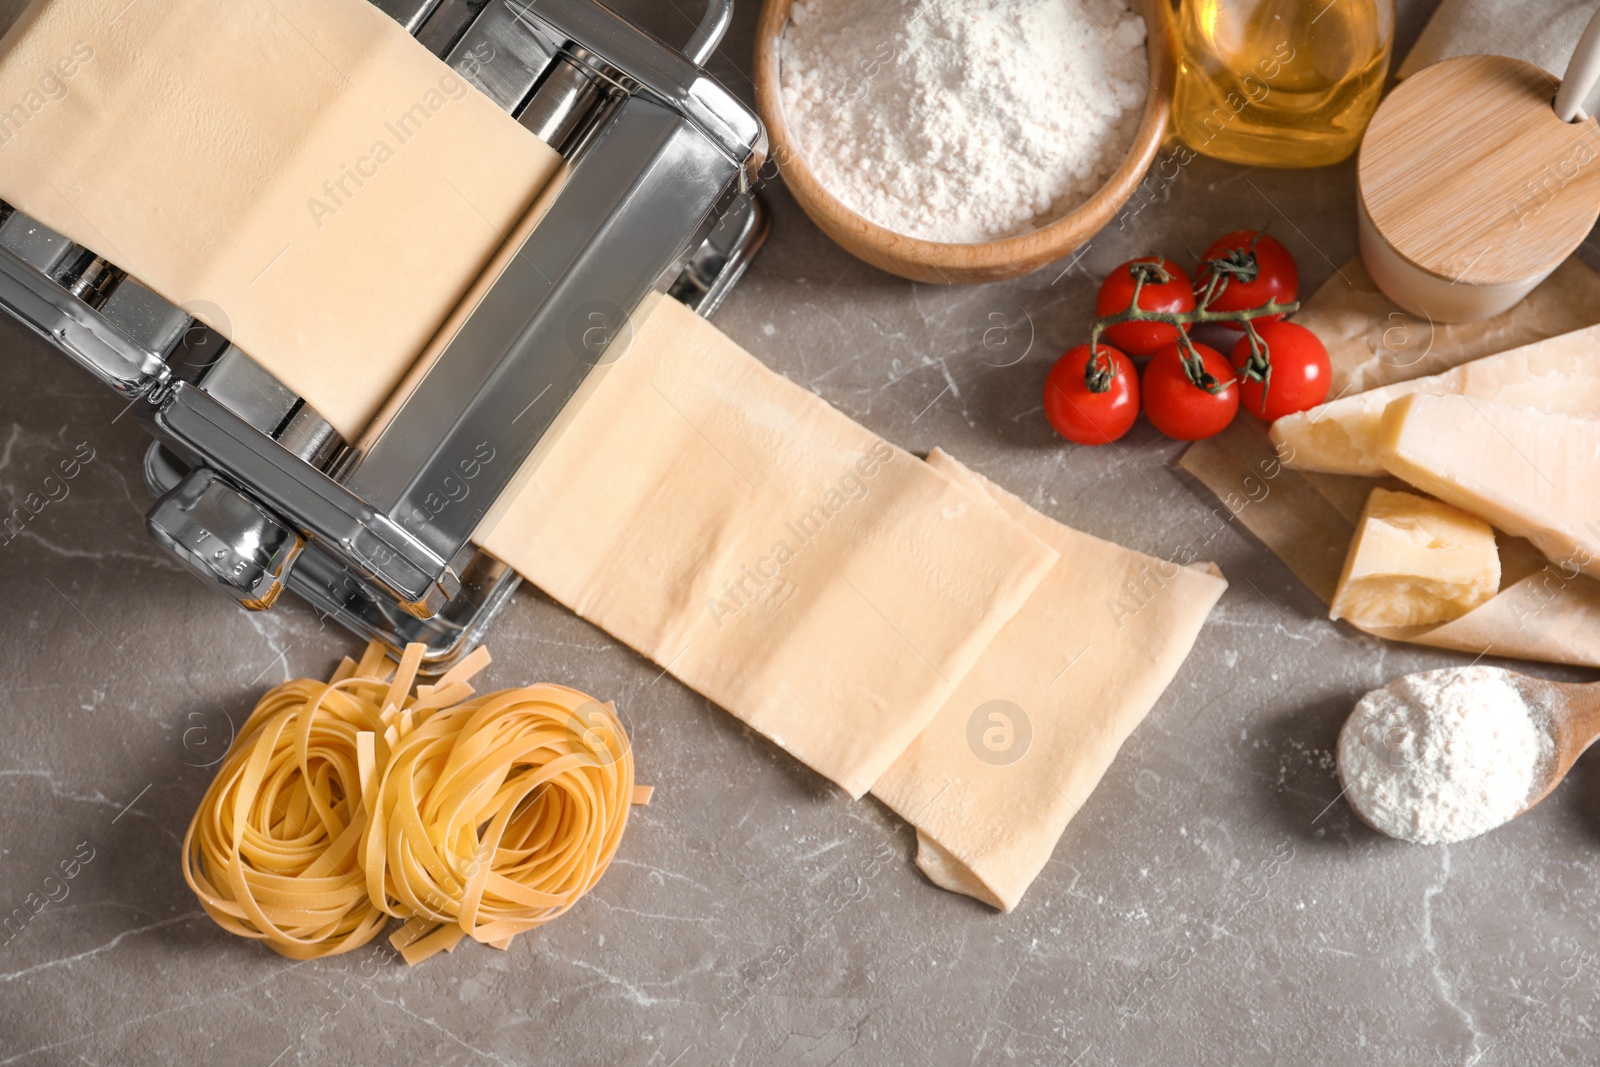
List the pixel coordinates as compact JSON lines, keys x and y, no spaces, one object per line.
{"x":226,"y":537}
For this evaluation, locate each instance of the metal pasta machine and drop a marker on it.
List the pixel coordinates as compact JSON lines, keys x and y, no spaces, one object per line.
{"x":257,"y":493}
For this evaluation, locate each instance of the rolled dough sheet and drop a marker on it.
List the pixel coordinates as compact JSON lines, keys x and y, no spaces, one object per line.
{"x":301,"y":175}
{"x":1069,"y":677}
{"x":822,"y":585}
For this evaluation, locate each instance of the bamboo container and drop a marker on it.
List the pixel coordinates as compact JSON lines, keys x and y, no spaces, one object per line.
{"x":1472,"y":187}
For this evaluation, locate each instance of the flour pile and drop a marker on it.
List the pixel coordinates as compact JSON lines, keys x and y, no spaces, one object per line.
{"x":963,"y":120}
{"x":1442,"y":756}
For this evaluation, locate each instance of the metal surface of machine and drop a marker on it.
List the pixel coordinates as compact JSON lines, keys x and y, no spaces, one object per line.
{"x":258,"y":493}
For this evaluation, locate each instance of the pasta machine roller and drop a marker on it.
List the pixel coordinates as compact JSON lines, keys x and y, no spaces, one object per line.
{"x":258,"y":493}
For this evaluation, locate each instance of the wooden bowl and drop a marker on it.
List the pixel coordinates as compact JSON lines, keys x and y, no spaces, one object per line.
{"x":949,"y":264}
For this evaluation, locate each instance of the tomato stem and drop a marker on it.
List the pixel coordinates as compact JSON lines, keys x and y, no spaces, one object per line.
{"x":1240,"y":263}
{"x":1194,"y":367}
{"x":1100,"y":371}
{"x":1258,"y":366}
{"x":1201,"y":314}
{"x":1150,"y":271}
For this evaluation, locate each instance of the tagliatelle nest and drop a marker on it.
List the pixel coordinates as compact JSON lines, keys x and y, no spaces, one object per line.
{"x":345,"y":803}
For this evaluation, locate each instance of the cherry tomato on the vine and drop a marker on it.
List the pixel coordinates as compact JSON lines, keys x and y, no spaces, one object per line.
{"x":1257,"y":270}
{"x":1177,"y":406}
{"x":1176,"y":294}
{"x":1300,"y":371}
{"x":1077,"y":412}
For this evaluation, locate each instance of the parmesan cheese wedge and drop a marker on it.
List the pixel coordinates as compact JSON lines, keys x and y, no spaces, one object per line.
{"x":1526,"y":471}
{"x":1560,"y":375}
{"x":1415,"y":562}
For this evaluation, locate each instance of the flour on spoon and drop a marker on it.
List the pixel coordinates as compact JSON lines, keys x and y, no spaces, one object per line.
{"x":1442,"y":756}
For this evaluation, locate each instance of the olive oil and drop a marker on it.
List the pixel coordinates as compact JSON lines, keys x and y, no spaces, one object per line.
{"x":1280,"y":83}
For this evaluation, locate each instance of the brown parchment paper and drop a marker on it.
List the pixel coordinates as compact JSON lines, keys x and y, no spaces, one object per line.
{"x":1542,"y":611}
{"x":1371,"y":342}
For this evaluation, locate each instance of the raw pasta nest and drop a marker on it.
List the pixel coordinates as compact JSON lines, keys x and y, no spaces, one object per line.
{"x":345,"y":803}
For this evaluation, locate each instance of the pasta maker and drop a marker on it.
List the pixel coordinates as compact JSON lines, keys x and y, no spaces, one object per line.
{"x":258,"y":493}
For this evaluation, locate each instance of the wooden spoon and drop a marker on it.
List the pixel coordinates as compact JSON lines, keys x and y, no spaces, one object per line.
{"x":1570,"y":714}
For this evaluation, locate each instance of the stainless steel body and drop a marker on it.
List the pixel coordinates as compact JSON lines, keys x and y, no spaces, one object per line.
{"x":258,"y":492}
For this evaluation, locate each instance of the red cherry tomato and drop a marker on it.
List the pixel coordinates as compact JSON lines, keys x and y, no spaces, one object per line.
{"x":1082,"y":415}
{"x":1300,"y":371}
{"x":1176,"y":294}
{"x":1180,"y":408}
{"x":1257,"y":269}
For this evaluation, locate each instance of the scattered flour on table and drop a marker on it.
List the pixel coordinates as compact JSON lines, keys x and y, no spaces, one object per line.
{"x":1442,"y":756}
{"x":963,"y":120}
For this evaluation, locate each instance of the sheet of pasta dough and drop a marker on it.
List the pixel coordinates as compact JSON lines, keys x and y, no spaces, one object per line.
{"x":300,"y":174}
{"x":822,"y":585}
{"x":993,"y":781}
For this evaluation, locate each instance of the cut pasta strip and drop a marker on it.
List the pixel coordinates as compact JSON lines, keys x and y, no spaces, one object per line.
{"x":463,"y":672}
{"x":271,"y":851}
{"x":404,"y":676}
{"x":342,"y":804}
{"x":497,"y":815}
{"x":374,"y":657}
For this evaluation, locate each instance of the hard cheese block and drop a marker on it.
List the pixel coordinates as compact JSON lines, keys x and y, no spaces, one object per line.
{"x":1529,"y":473}
{"x":1415,"y":562}
{"x":817,"y":582}
{"x":1560,"y":375}
{"x":1014,"y":753}
{"x":301,"y":175}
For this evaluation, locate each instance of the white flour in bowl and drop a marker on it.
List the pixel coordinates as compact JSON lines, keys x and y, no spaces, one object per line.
{"x":1442,"y":756}
{"x":963,"y":120}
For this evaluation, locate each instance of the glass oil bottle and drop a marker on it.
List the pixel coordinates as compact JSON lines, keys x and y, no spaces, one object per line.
{"x":1280,"y":83}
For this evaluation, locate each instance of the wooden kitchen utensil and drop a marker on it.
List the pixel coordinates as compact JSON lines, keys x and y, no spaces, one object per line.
{"x":1473,"y":188}
{"x":1571,"y":714}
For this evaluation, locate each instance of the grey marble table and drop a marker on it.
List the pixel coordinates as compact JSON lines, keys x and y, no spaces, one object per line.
{"x":1213,"y":903}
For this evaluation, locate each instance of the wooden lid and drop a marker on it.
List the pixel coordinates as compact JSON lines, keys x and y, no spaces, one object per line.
{"x":1468,"y":173}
